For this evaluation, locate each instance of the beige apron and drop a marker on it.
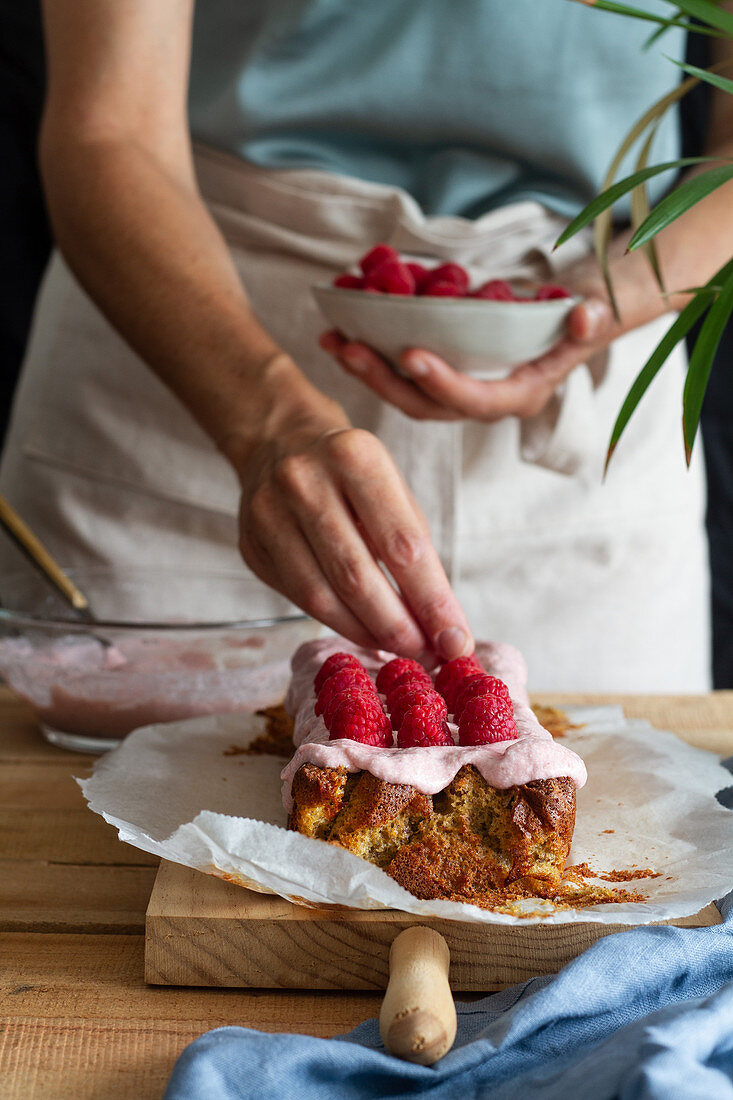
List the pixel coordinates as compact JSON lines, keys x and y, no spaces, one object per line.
{"x":604,"y":586}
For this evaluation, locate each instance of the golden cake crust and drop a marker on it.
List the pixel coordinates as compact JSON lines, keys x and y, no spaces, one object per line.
{"x":465,"y":843}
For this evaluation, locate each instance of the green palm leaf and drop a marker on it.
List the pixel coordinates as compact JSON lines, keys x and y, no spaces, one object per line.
{"x":688,"y":194}
{"x":658,"y":33}
{"x":663,"y":24}
{"x":686,"y":25}
{"x":710,"y":77}
{"x":676,"y":332}
{"x":687,"y":318}
{"x":603,"y":227}
{"x":634,"y":13}
{"x":701,"y":362}
{"x":617,"y":190}
{"x":641,"y":207}
{"x":707,"y":12}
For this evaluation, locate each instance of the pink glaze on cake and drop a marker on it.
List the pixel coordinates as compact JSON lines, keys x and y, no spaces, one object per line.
{"x":533,"y":755}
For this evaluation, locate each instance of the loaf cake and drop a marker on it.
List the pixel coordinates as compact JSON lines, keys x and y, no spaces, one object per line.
{"x":452,"y":787}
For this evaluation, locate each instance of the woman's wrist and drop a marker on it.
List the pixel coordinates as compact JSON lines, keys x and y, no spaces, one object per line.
{"x":637,"y":293}
{"x":283,"y":406}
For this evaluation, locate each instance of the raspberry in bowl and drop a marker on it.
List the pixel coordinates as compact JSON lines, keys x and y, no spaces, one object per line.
{"x":481,"y":327}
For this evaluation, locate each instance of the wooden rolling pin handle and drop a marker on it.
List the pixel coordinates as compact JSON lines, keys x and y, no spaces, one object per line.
{"x":418,"y":1017}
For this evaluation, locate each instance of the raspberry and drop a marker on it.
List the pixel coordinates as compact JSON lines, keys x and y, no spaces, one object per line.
{"x":358,"y":691}
{"x":349,"y":282}
{"x":442,"y":288}
{"x":486,"y":720}
{"x":391,"y":277}
{"x":420,"y":274}
{"x":415,"y":679}
{"x":496,"y":290}
{"x":451,"y":676}
{"x":413,"y":694}
{"x":393,"y":672}
{"x":451,"y":273}
{"x":422,"y":727}
{"x":357,"y":720}
{"x":333,"y":664}
{"x":376,"y":256}
{"x":338,"y":681}
{"x":480,"y":684}
{"x":551,"y":290}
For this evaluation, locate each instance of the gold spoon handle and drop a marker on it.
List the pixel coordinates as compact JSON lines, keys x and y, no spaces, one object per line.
{"x":24,"y":538}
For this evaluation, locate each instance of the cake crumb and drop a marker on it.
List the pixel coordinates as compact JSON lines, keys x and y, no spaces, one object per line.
{"x":277,"y":740}
{"x":554,"y":720}
{"x":628,"y":876}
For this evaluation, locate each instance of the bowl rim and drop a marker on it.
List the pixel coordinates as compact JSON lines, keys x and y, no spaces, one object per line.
{"x":442,"y":303}
{"x":83,"y":626}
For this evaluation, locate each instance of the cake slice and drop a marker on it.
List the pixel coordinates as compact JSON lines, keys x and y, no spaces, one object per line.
{"x":452,"y":787}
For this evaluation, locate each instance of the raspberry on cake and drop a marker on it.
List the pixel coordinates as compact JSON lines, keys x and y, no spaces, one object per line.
{"x":335,"y":662}
{"x":423,"y":726}
{"x":413,"y":694}
{"x":344,"y":678}
{"x":359,"y":720}
{"x":451,"y":677}
{"x":400,"y":671}
{"x":445,"y":820}
{"x":486,"y":720}
{"x":480,"y":684}
{"x":358,"y":691}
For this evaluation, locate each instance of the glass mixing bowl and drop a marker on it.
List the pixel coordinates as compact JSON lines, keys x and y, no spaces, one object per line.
{"x":163,"y":646}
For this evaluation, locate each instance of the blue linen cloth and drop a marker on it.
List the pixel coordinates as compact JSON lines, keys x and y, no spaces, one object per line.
{"x":642,"y":1015}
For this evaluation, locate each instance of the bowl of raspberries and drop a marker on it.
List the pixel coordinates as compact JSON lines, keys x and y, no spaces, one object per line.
{"x":484,"y":328}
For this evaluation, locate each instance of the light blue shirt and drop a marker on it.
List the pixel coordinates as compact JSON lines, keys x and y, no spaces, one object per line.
{"x":466,"y":104}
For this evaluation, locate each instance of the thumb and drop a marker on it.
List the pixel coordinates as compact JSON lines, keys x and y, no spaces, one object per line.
{"x":590,"y":321}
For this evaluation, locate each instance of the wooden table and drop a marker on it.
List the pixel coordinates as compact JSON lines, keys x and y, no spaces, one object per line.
{"x":77,"y":1020}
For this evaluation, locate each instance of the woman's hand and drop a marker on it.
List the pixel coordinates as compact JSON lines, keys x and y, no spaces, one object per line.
{"x":432,"y":390}
{"x":322,"y":505}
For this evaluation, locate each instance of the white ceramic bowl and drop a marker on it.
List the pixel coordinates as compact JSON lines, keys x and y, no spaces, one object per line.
{"x":482,"y":338}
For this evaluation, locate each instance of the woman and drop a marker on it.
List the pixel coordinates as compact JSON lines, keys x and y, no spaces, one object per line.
{"x":465,"y":132}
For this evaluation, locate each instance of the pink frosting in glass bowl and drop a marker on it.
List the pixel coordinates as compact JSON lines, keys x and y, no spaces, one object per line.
{"x":163,"y":648}
{"x":533,"y":755}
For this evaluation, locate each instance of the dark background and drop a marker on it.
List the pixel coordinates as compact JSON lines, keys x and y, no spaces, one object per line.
{"x":25,"y":243}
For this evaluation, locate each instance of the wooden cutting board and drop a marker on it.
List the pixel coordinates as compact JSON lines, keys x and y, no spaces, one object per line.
{"x":202,"y":931}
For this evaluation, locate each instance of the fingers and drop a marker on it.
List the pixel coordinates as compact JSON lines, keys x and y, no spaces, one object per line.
{"x":375,"y":372}
{"x":275,"y":549}
{"x":433,"y":390}
{"x":353,"y":572}
{"x":591,"y":321}
{"x":522,"y":393}
{"x":402,"y":542}
{"x":316,"y":525}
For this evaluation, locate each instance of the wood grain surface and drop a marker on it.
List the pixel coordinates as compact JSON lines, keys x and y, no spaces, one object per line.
{"x":203,"y":931}
{"x":76,"y":1017}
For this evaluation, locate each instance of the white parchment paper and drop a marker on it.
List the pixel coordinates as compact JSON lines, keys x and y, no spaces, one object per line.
{"x":171,"y":790}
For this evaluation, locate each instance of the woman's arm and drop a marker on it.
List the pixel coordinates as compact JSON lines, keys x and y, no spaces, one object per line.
{"x":691,"y":250}
{"x":319,"y":499}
